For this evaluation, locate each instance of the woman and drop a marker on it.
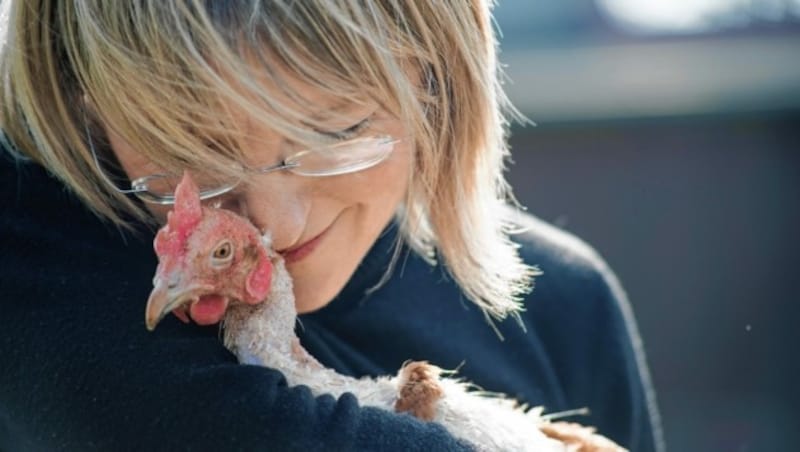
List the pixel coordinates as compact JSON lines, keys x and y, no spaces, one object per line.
{"x":360,"y":134}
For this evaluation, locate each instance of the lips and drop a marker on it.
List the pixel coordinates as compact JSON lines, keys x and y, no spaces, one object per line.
{"x":302,"y":250}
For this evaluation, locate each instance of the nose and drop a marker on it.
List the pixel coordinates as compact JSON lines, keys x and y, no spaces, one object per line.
{"x":277,"y":203}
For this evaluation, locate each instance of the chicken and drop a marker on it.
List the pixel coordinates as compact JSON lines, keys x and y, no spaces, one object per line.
{"x":215,"y":265}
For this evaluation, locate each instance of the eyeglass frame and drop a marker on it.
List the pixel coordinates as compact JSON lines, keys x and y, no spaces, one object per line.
{"x":139,"y":187}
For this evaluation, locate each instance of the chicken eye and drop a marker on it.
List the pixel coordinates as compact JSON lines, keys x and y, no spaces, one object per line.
{"x":223,"y":253}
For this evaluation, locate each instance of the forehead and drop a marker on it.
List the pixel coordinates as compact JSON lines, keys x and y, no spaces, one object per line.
{"x":264,"y":106}
{"x":242,"y":102}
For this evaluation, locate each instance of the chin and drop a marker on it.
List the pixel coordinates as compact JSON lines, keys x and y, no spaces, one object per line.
{"x":320,"y":277}
{"x":318,"y":283}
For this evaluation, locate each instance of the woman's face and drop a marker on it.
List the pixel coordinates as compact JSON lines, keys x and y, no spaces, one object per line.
{"x":323,"y":226}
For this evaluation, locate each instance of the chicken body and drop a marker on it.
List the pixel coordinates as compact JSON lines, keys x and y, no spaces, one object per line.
{"x":214,"y":263}
{"x":264,"y":335}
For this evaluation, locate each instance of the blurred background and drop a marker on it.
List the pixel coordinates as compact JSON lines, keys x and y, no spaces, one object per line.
{"x":668,"y":136}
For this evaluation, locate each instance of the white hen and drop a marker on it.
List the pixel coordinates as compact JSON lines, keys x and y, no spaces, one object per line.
{"x":213,"y":262}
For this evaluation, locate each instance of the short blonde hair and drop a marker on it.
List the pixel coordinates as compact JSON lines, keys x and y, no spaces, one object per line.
{"x":159,"y":73}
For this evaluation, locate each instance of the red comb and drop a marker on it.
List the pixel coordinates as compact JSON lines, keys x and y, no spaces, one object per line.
{"x":186,"y":214}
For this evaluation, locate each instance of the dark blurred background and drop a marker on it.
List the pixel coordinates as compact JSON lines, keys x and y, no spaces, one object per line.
{"x":668,"y":137}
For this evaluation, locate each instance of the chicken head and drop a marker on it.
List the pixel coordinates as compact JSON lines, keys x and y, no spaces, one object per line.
{"x":208,"y":258}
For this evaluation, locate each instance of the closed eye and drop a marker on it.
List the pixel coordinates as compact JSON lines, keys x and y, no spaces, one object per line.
{"x":350,"y":132}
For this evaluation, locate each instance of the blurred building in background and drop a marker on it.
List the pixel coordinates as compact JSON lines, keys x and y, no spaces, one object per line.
{"x":668,"y":137}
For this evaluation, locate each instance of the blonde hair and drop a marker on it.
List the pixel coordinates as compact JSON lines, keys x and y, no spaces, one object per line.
{"x":160,"y":74}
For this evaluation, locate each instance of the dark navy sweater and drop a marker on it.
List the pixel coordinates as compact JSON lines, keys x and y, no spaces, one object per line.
{"x":79,"y":371}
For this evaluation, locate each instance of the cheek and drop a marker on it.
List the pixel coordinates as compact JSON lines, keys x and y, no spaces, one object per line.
{"x":380,"y":187}
{"x":386,"y":187}
{"x":368,"y":202}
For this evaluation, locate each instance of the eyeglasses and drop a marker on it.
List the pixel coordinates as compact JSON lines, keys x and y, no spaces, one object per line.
{"x":343,"y":157}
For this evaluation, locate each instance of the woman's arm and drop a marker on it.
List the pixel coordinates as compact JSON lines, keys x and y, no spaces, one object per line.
{"x":80,"y":371}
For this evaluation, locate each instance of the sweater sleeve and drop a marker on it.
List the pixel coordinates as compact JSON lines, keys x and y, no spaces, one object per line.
{"x":80,"y":372}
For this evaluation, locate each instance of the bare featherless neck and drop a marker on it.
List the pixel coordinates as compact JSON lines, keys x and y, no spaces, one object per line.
{"x":275,"y":316}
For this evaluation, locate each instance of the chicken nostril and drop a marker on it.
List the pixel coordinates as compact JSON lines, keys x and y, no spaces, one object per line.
{"x":173,"y":282}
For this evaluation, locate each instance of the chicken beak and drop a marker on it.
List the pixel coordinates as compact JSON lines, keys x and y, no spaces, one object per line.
{"x":163,"y":299}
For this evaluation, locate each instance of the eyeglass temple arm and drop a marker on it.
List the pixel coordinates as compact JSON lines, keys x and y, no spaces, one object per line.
{"x":100,"y":170}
